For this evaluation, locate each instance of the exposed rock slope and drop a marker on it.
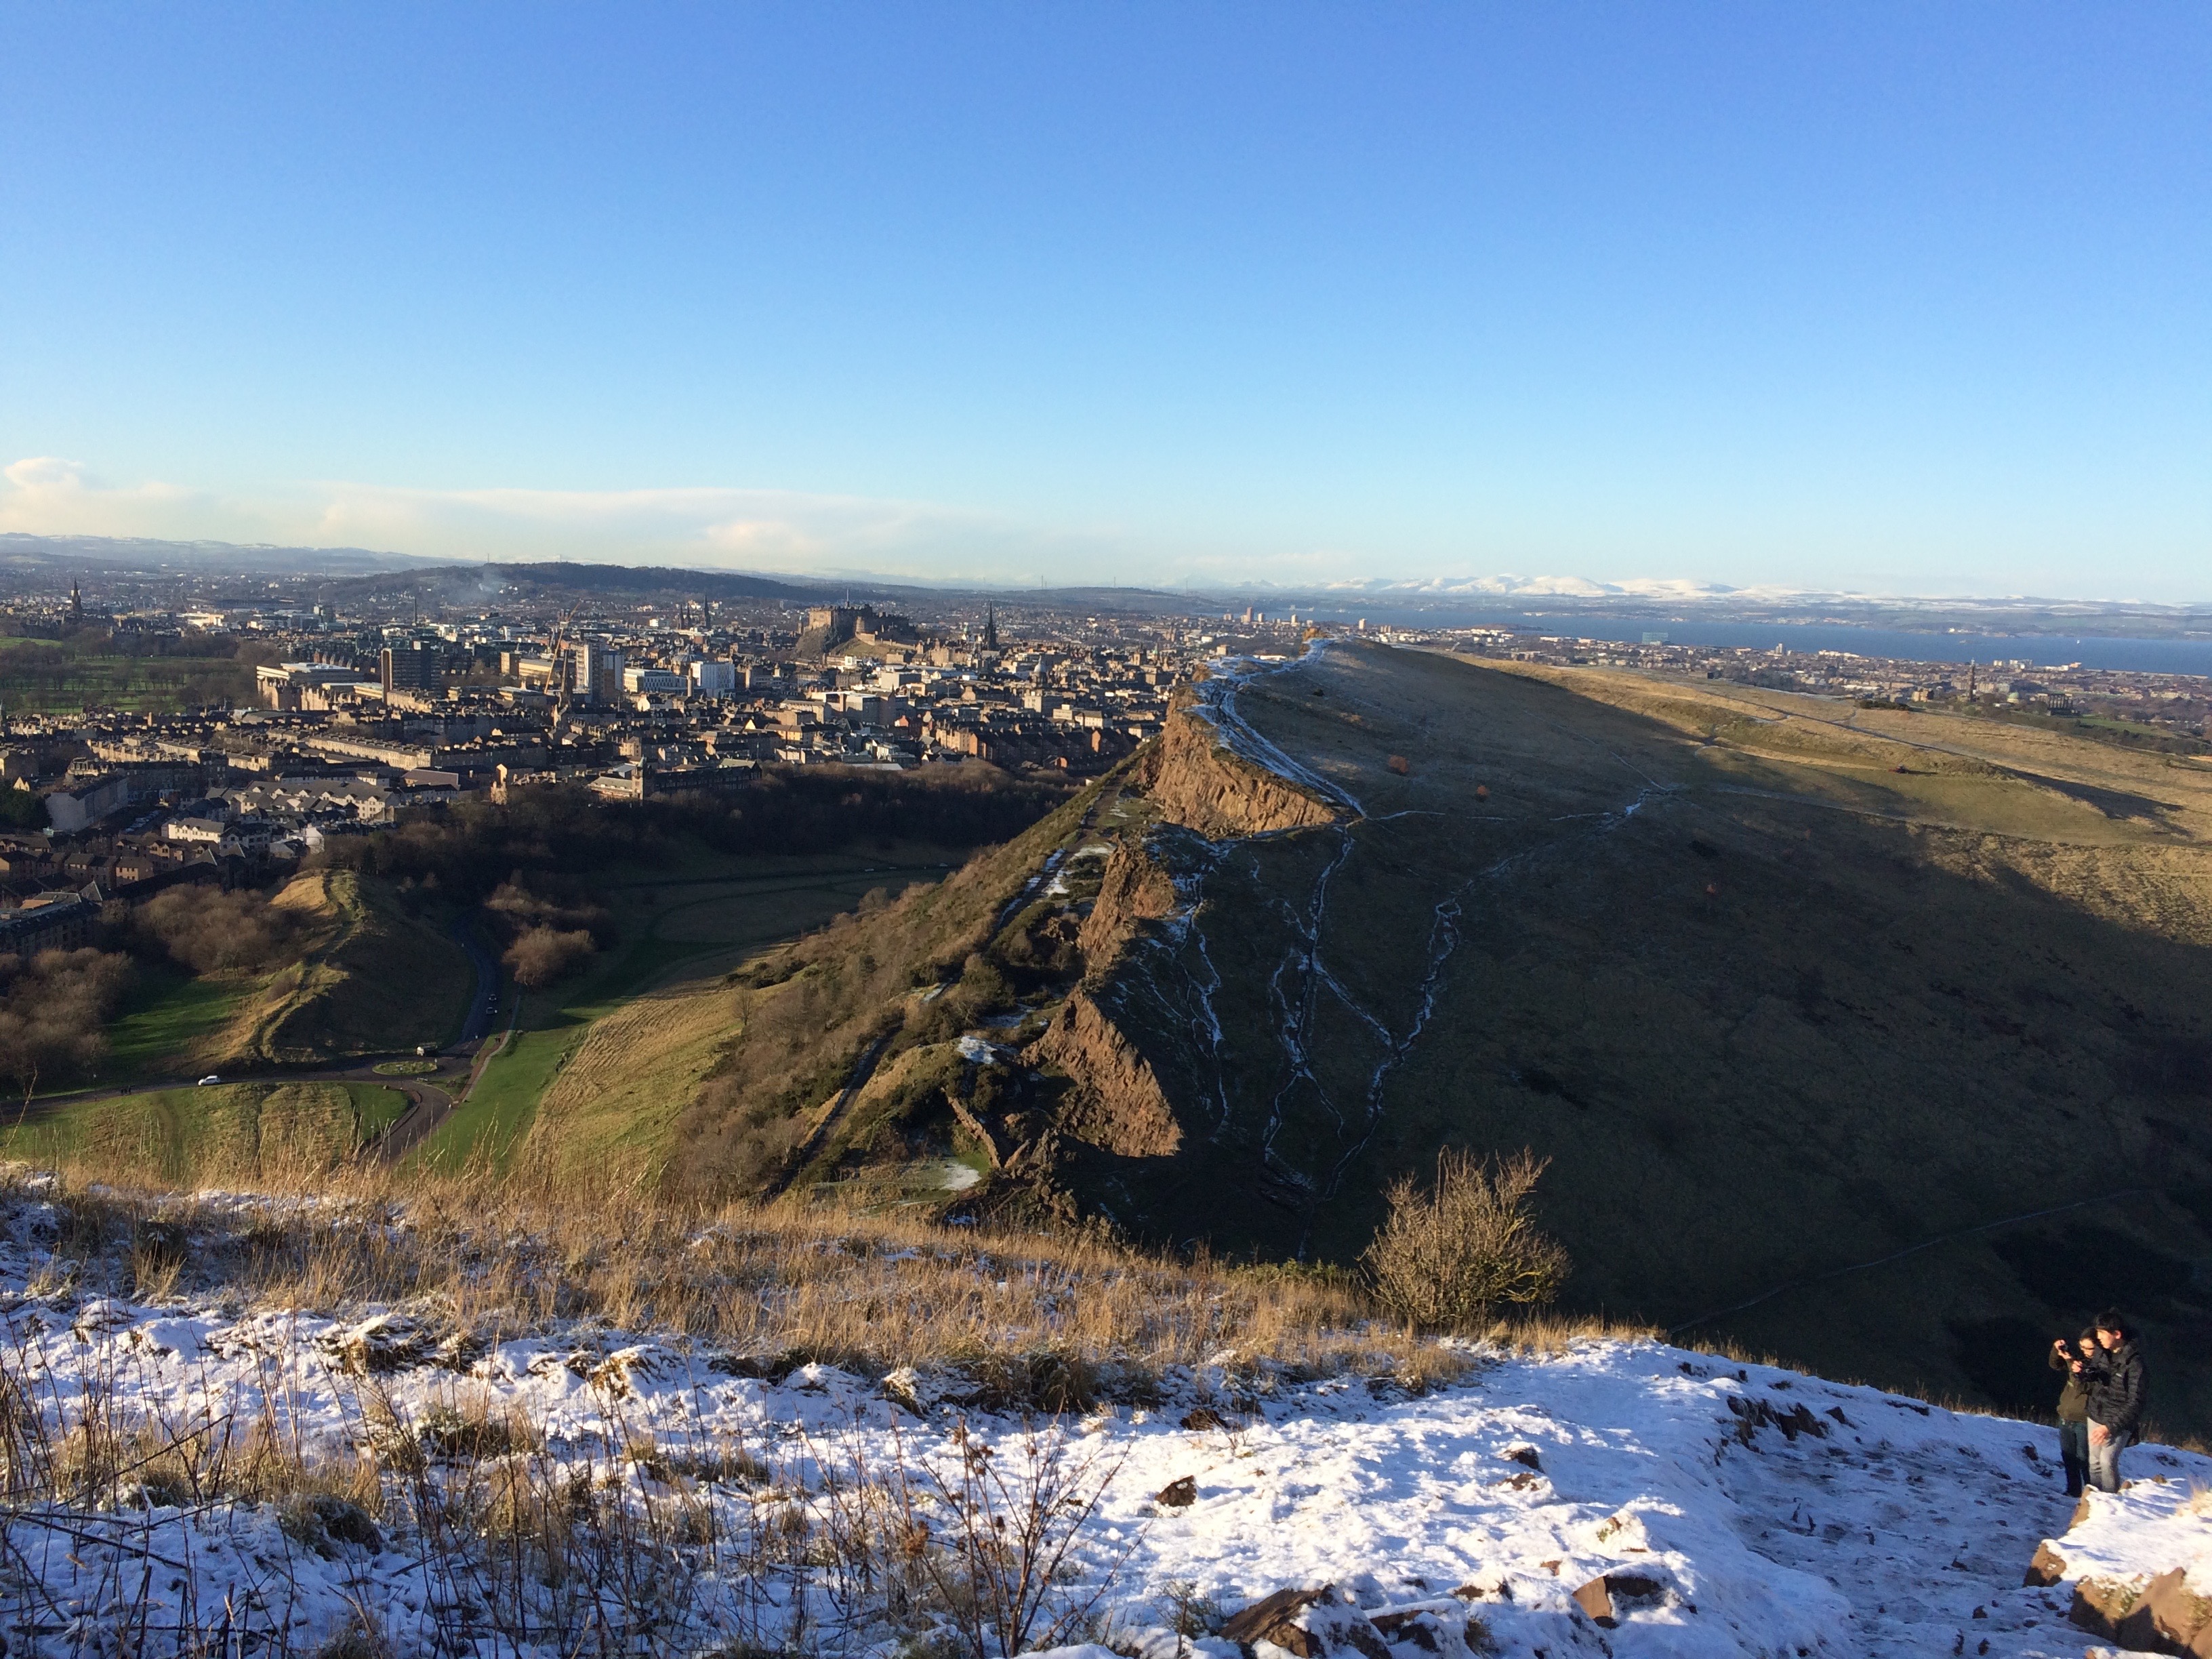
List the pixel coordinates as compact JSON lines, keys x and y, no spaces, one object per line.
{"x":1195,"y":779}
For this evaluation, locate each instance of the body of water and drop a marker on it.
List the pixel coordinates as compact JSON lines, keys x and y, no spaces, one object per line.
{"x":2044,"y":650}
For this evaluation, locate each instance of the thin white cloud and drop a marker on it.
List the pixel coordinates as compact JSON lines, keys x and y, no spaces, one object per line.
{"x":749,"y":529}
{"x":767,"y":530}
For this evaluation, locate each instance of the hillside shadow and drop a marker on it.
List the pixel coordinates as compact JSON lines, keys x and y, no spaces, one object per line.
{"x":2117,"y":804}
{"x":1760,"y":1039}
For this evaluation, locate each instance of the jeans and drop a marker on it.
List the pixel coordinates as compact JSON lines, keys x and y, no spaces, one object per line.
{"x":2104,"y":1464}
{"x":2074,"y":1452}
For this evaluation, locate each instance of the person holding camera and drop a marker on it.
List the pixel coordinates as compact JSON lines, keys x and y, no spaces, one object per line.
{"x":2072,"y":1361}
{"x":2116,"y":1396}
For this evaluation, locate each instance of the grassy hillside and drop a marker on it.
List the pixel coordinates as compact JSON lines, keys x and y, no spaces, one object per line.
{"x":601,"y":1064}
{"x":1779,"y":985}
{"x":231,"y":1134}
{"x":173,"y":1023}
{"x":792,"y":1100}
{"x":371,"y":978}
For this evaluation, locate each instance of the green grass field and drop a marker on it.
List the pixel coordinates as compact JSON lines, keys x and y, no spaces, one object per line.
{"x":42,"y":675}
{"x":221,"y":1135}
{"x":168,"y":1014}
{"x":684,"y":924}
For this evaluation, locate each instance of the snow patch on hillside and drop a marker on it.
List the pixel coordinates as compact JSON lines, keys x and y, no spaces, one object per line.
{"x":1738,"y":1510}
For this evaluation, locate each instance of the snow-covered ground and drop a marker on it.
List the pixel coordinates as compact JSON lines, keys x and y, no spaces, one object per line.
{"x":1738,"y":1510}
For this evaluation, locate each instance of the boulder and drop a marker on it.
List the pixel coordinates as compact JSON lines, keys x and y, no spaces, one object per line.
{"x":1447,"y":1633}
{"x":2161,"y":1616}
{"x":1270,"y":1618}
{"x":2046,"y":1569}
{"x":1604,"y":1599}
{"x":1344,"y":1630}
{"x":1310,"y":1623}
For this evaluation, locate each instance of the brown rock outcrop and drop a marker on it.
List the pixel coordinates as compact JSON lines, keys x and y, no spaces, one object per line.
{"x":1272,"y":1619}
{"x":1196,"y":782}
{"x":1133,"y":890}
{"x":1601,"y":1597}
{"x":2163,"y":1616}
{"x":2046,"y":1569}
{"x":1118,"y":1104}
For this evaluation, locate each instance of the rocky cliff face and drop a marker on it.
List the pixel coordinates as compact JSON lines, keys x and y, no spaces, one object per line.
{"x":1194,"y":780}
{"x":1117,"y":1104}
{"x":1136,"y":889}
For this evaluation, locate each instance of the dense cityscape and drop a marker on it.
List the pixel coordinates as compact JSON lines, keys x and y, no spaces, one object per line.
{"x":338,"y":719}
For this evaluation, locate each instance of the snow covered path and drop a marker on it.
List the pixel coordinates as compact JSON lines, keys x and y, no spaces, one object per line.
{"x":1739,"y":1510}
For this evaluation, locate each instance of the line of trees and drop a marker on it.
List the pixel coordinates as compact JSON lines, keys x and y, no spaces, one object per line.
{"x":468,"y":850}
{"x":53,"y":1008}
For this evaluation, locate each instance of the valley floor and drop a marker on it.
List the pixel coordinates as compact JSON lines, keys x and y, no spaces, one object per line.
{"x":564,"y":1485}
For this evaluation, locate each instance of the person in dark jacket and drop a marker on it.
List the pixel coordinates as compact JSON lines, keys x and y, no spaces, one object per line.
{"x":2071,"y":1361}
{"x":2116,"y":1396}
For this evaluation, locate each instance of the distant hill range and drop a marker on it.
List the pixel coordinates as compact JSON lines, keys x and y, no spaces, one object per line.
{"x":134,"y":554}
{"x":1780,"y":986}
{"x":476,"y":584}
{"x":354,"y":571}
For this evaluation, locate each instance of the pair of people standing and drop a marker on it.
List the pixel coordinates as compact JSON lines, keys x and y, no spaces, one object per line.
{"x":2101,"y":1408}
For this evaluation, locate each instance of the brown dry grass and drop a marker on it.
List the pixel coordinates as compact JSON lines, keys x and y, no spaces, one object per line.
{"x":1051,"y":1320}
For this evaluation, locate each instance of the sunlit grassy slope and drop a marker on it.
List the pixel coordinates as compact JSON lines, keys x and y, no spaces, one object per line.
{"x":228,"y":1135}
{"x":611,"y":1056}
{"x":371,"y":977}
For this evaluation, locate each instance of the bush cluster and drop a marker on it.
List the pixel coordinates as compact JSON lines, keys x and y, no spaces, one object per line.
{"x":52,"y":1010}
{"x":1450,"y":1257}
{"x":210,"y":931}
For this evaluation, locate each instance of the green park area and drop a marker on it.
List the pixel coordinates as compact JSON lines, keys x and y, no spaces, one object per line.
{"x":221,"y":1134}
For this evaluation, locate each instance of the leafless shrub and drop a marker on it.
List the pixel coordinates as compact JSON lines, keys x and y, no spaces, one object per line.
{"x":540,"y":955}
{"x":209,"y":931}
{"x":995,"y":1538}
{"x":541,"y":900}
{"x":52,"y":1009}
{"x":1448,"y":1257}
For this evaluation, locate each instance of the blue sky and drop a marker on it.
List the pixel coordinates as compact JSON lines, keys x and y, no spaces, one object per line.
{"x":1896,"y":298}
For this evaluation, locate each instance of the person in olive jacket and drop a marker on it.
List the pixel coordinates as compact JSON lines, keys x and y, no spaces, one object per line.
{"x":2072,"y":1360}
{"x":2117,"y":1395}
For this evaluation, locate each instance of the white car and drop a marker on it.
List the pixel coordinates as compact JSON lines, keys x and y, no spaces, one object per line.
{"x":203,"y":1082}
